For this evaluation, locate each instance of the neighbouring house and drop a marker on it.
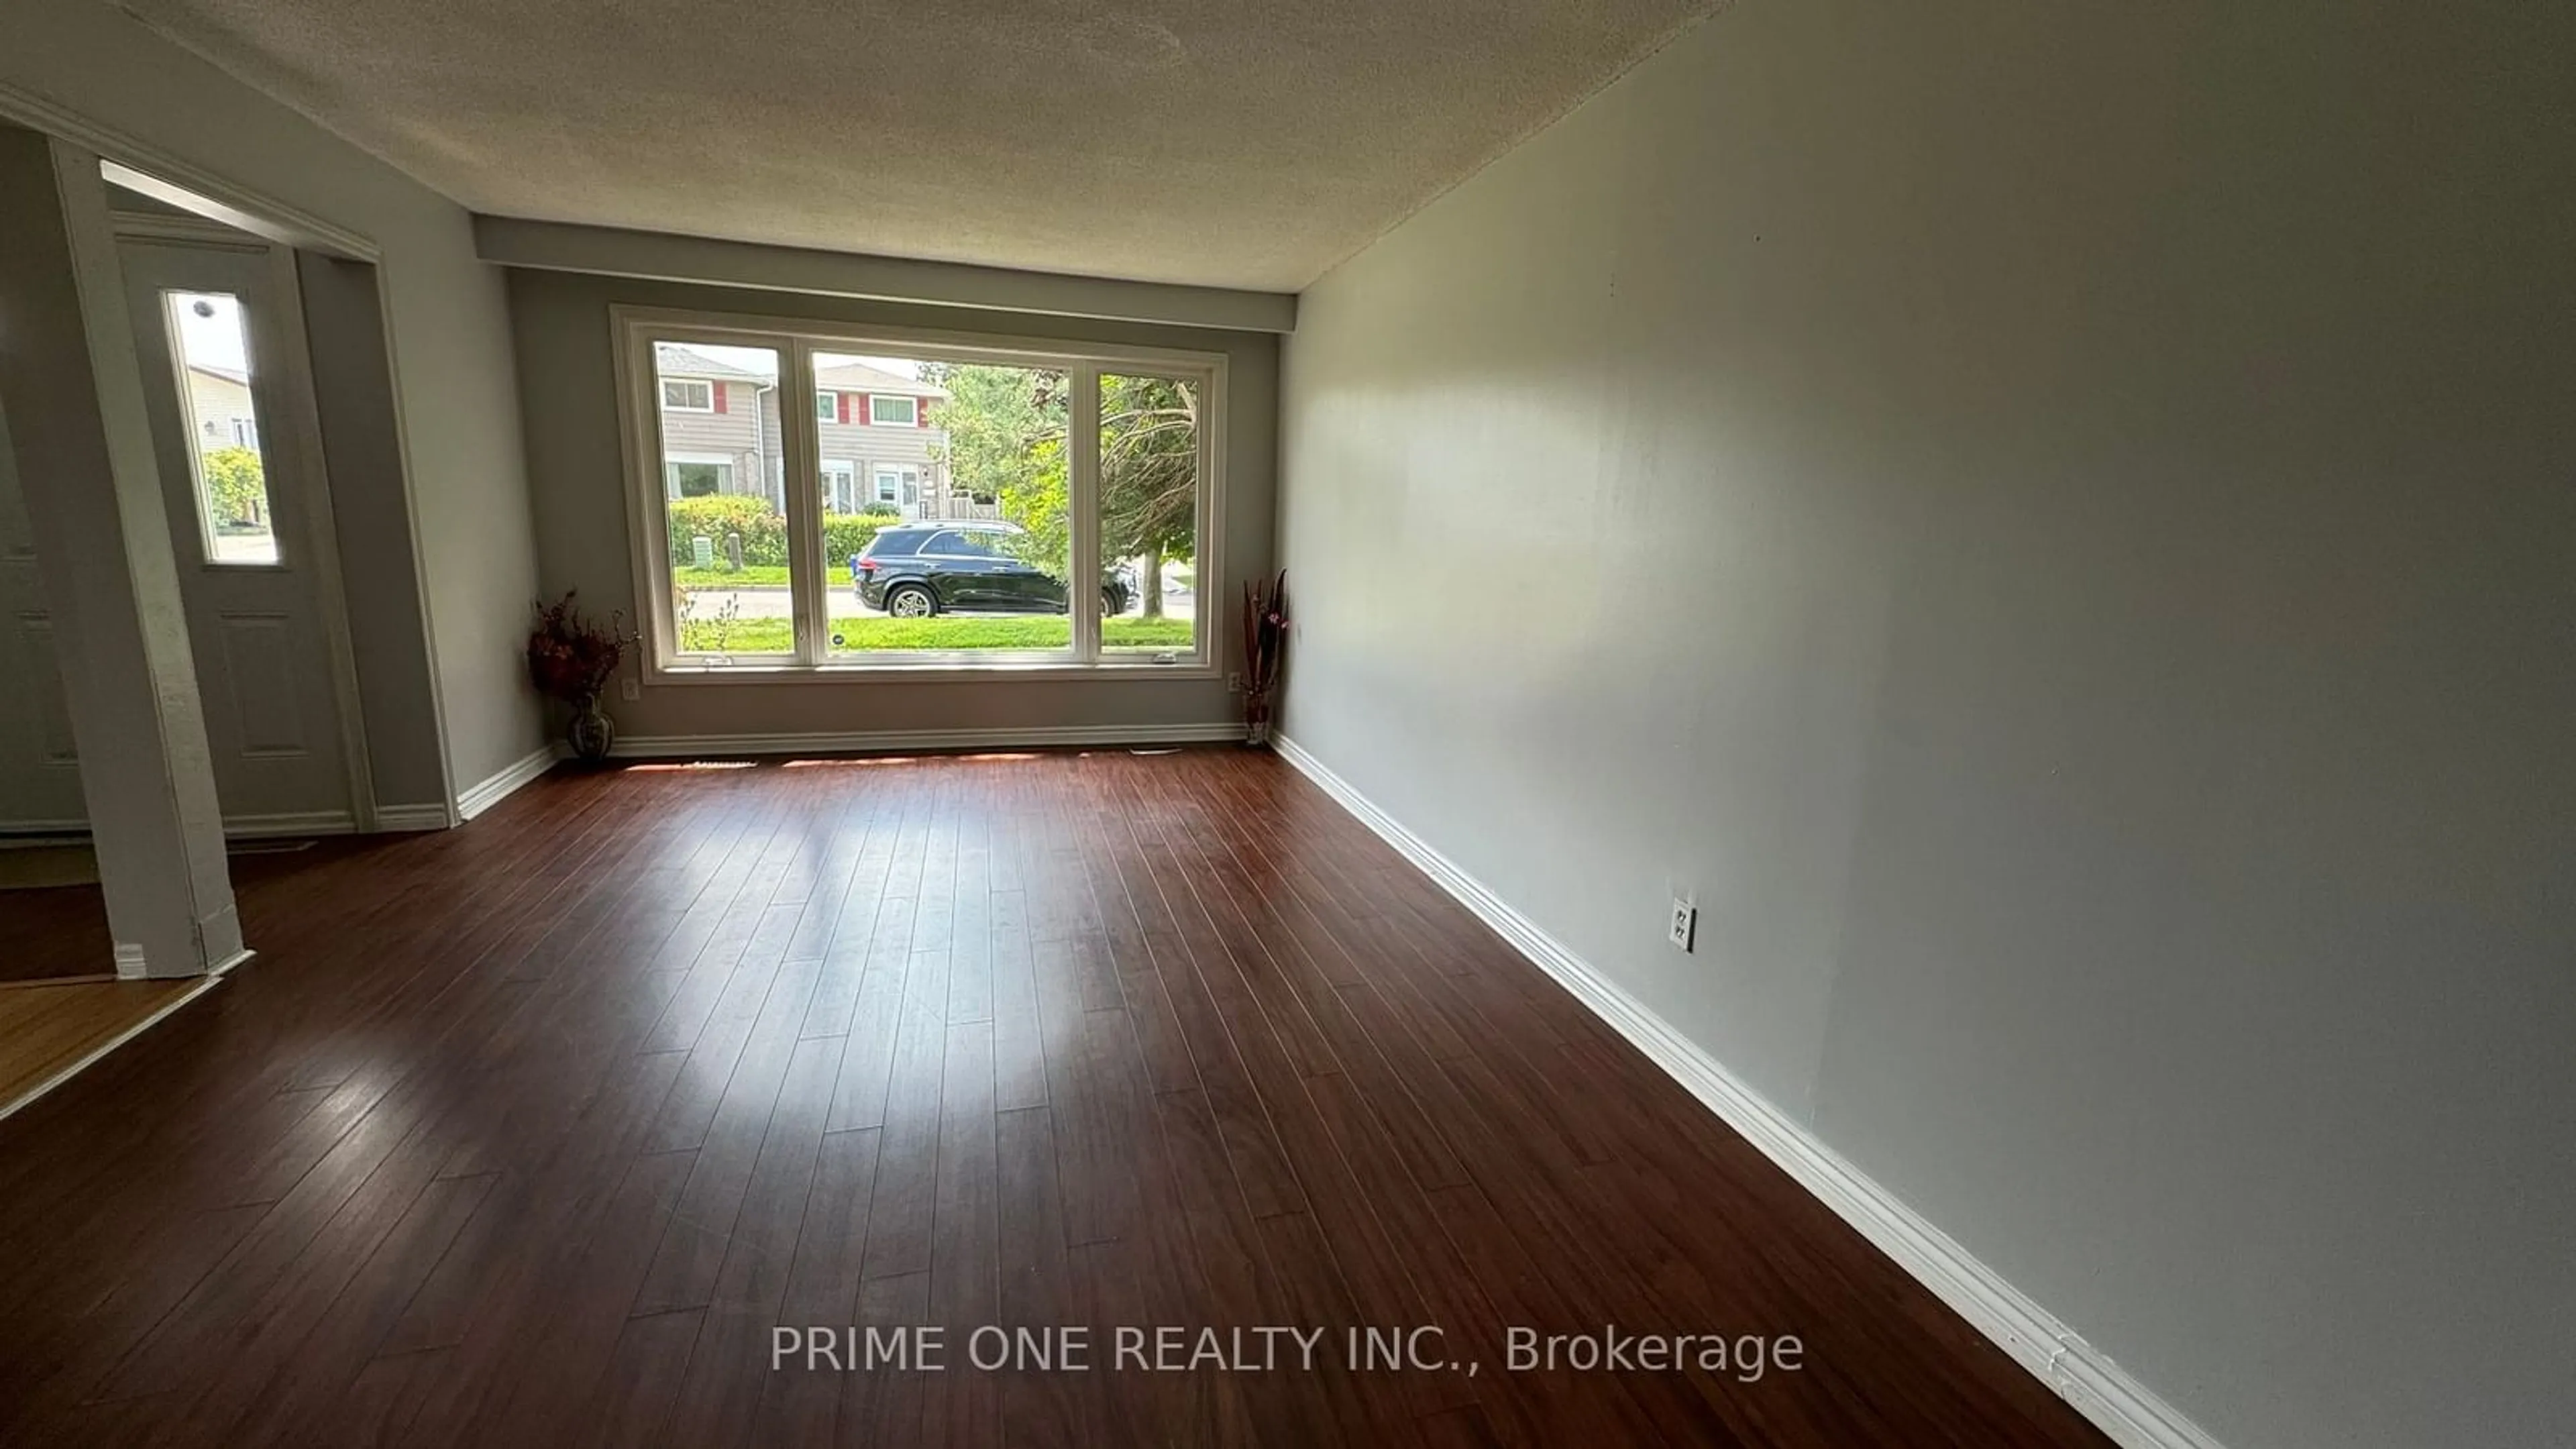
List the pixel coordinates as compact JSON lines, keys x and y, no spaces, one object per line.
{"x":716,"y":431}
{"x":879,"y":442}
{"x":879,"y":445}
{"x":220,"y":399}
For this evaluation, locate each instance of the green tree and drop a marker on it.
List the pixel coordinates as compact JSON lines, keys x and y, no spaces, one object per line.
{"x":1149,"y":476}
{"x":1005,"y":439}
{"x":1002,"y":432}
{"x":236,"y":488}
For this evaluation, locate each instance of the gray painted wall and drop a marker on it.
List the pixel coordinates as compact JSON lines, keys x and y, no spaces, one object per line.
{"x":449,"y":326}
{"x":2058,"y":524}
{"x":568,"y":394}
{"x":353,"y":395}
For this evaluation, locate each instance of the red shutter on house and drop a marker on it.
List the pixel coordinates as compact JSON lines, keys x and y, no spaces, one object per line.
{"x":841,"y":400}
{"x":921,"y":412}
{"x":717,"y":390}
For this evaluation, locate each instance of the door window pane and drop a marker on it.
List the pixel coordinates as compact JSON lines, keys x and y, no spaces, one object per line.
{"x":231,"y":477}
{"x":719,"y":436}
{"x":1149,"y":515}
{"x":927,"y":569}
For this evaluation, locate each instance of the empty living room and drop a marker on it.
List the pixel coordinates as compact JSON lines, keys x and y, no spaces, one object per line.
{"x":1778,"y":724}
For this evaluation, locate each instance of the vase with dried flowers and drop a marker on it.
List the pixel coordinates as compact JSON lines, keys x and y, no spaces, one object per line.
{"x":1265,"y":651}
{"x":572,"y":658}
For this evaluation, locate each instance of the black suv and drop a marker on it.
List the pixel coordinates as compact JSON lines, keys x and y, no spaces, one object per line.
{"x":914,"y":570}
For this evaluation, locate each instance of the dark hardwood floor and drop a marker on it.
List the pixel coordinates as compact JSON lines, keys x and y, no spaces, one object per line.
{"x":54,"y":933}
{"x":532,"y":1132}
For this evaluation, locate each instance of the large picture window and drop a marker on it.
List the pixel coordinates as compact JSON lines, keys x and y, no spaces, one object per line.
{"x":1022,"y":505}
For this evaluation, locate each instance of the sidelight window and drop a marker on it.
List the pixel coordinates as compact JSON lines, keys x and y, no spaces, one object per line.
{"x":216,"y":388}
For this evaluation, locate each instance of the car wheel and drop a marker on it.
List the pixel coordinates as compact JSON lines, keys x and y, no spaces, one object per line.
{"x":911,"y":601}
{"x":1113,"y":600}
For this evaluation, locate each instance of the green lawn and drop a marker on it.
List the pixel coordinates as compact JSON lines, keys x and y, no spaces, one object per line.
{"x":948,"y":631}
{"x":748,"y":576}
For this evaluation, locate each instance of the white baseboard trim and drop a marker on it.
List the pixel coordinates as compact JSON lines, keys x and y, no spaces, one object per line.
{"x":236,"y":827}
{"x":474,"y":799}
{"x":392,"y":818}
{"x":249,"y":827}
{"x":2117,"y":1404}
{"x":664,"y":747}
{"x":298,"y":822}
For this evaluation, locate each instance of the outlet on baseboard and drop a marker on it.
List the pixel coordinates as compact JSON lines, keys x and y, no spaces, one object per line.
{"x":1685,"y":923}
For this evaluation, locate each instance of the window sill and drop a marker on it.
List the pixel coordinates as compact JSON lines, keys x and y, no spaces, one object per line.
{"x":940,"y":671}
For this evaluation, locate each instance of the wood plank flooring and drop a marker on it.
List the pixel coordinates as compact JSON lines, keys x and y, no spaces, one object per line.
{"x":534,"y":1131}
{"x":46,"y":1027}
{"x":54,"y":933}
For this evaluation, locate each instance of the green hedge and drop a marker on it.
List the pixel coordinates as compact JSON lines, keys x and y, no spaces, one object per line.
{"x":764,"y":533}
{"x":845,"y":534}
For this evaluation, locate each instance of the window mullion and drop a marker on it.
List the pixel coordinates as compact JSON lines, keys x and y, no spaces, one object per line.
{"x":650,"y":453}
{"x":1207,"y":561}
{"x":809,"y":586}
{"x":1082,"y":501}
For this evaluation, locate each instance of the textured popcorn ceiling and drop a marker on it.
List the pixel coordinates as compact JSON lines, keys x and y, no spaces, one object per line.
{"x":1247,"y":144}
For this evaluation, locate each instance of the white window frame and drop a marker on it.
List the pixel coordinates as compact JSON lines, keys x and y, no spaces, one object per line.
{"x":726,"y":461}
{"x":827,"y":405}
{"x":662,"y":391}
{"x":877,"y":422}
{"x":797,"y":340}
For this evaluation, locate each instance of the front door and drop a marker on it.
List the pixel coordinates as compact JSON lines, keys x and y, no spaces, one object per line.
{"x":902,"y":488}
{"x":40,"y":784}
{"x":241,"y":485}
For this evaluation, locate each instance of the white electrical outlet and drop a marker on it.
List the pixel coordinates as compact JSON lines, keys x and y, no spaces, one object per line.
{"x":629,"y":689}
{"x":1685,"y":923}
